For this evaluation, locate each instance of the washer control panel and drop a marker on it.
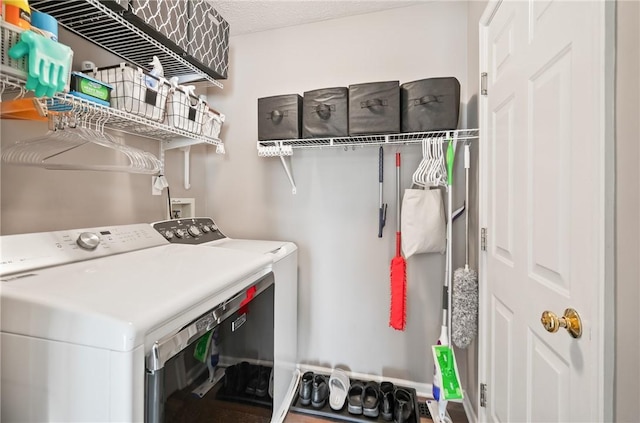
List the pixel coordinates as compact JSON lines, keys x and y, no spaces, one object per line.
{"x":26,"y":252}
{"x":192,"y":230}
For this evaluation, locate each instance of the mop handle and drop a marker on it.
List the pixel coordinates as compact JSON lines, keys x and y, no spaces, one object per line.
{"x":380,"y":174}
{"x":398,"y":204}
{"x":398,"y":192}
{"x":467,"y":160}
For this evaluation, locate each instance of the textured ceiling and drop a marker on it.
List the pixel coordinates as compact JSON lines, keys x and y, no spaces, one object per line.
{"x":246,"y":16}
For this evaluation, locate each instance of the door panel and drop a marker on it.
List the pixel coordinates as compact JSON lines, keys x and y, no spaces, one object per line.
{"x":549,"y":158}
{"x":503,"y":121}
{"x":551,"y":372}
{"x":542,"y":146}
{"x":502,"y":326}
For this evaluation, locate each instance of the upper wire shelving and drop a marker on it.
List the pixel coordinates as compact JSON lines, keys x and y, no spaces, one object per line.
{"x":92,"y":20}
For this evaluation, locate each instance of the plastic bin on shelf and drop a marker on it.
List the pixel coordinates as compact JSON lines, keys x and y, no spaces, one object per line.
{"x":136,"y":91}
{"x":185,"y":111}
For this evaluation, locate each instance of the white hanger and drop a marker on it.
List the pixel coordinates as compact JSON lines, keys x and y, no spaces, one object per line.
{"x":418,"y":178}
{"x":66,"y":134}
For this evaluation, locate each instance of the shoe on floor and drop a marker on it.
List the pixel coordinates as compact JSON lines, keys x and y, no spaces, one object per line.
{"x":262,"y":389}
{"x":371,"y":399}
{"x":354,"y":398}
{"x":338,"y":387}
{"x":319,"y":392}
{"x":243,"y":375}
{"x":386,"y":400}
{"x":403,"y":406}
{"x":306,"y":388}
{"x":271,"y":383}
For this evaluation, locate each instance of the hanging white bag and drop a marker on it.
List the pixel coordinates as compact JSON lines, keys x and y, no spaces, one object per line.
{"x":423,"y":222}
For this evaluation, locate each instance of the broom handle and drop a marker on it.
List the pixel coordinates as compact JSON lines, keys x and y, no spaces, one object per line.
{"x":398,"y":205}
{"x":467,"y":160}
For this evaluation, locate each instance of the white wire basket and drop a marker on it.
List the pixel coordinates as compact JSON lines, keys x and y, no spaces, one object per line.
{"x":136,"y":91}
{"x":9,"y":66}
{"x":212,"y":123}
{"x":185,"y":111}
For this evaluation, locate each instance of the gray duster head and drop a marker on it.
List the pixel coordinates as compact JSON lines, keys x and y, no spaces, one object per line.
{"x":464,"y":304}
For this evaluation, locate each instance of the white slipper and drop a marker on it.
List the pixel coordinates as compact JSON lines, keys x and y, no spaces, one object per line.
{"x":338,"y":387}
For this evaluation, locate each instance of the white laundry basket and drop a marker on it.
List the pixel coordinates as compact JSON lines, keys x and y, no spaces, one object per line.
{"x":136,"y":91}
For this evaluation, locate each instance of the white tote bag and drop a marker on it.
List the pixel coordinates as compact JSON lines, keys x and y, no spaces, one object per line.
{"x":423,"y":223}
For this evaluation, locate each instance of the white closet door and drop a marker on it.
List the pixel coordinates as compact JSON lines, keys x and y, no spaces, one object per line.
{"x":543,"y":157}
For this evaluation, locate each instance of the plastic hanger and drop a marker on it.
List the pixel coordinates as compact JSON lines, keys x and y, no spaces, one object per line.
{"x":417,"y":175}
{"x":66,"y":134}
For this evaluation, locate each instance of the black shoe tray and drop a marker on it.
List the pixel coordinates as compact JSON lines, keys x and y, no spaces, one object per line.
{"x":343,"y":415}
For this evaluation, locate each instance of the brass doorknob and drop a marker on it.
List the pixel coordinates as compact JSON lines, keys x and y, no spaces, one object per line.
{"x":570,"y":321}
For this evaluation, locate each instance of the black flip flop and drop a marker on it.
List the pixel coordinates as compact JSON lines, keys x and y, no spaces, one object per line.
{"x":354,"y":398}
{"x":371,"y":399}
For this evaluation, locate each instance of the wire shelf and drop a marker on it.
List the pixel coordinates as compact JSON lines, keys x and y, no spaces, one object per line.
{"x":111,"y":118}
{"x":11,"y":84}
{"x":124,"y":121}
{"x":110,"y":30}
{"x":285,"y":147}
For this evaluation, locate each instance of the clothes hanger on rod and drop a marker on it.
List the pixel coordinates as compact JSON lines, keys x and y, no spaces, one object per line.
{"x":67,"y":132}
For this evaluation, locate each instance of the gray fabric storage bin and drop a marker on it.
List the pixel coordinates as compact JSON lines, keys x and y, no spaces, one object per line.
{"x":193,"y":29}
{"x":430,"y":104}
{"x":208,"y":37}
{"x":374,"y":108}
{"x":169,"y":17}
{"x":279,"y":117}
{"x":325,"y":113}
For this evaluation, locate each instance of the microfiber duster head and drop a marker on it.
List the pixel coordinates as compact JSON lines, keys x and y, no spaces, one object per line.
{"x":464,"y":302}
{"x":398,"y":313}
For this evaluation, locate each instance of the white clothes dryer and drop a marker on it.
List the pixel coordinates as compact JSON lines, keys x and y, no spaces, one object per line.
{"x":92,"y":318}
{"x":203,"y":232}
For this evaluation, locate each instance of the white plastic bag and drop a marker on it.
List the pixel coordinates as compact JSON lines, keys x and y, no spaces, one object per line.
{"x":423,"y":222}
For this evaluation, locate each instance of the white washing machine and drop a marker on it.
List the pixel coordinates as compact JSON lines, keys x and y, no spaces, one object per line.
{"x":88,"y":315}
{"x":203,"y":232}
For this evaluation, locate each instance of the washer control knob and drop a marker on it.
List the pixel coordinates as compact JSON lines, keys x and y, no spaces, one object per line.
{"x":214,"y":227}
{"x":179,"y":233}
{"x":168,"y":234}
{"x":194,"y":231}
{"x":205,"y":229}
{"x":88,"y":241}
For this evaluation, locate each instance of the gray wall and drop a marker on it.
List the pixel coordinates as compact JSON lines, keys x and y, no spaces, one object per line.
{"x":344,"y":267}
{"x":627,"y":366}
